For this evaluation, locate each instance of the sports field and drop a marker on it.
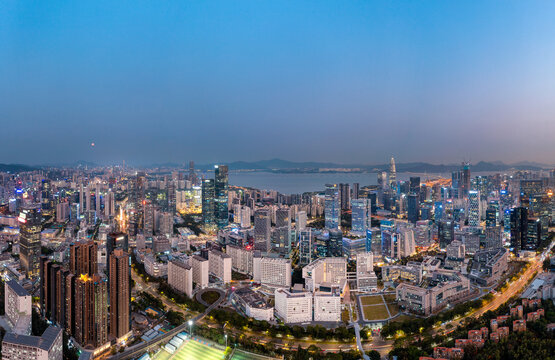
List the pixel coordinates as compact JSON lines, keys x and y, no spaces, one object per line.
{"x":240,"y":355}
{"x":374,"y":307}
{"x":192,"y":350}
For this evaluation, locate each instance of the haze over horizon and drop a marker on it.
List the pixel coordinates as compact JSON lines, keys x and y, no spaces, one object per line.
{"x":151,"y":82}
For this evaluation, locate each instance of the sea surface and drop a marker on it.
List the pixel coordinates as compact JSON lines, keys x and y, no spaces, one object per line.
{"x":300,"y":183}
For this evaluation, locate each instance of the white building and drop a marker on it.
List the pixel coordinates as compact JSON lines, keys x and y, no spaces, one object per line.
{"x":155,"y":268}
{"x":180,"y":277}
{"x":220,"y":265}
{"x":327,"y":307}
{"x":17,"y":306}
{"x":272,"y":271}
{"x":329,"y":271}
{"x":241,"y":259}
{"x":200,"y":270}
{"x":366,"y":277}
{"x":293,"y":307}
{"x":49,"y":346}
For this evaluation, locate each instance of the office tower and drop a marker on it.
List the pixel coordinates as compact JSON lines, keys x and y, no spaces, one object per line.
{"x":221,"y":195}
{"x":48,"y":346}
{"x":374,"y":241}
{"x":46,"y":194}
{"x":200,"y":270}
{"x":81,"y":198}
{"x":208,"y":204}
{"x":345,"y":196}
{"x":88,"y":205}
{"x":62,"y":212}
{"x":171,"y":196}
{"x":413,"y":208}
{"x":528,"y":189}
{"x":491,"y":217}
{"x":262,"y":226}
{"x":283,"y":217}
{"x":519,"y":228}
{"x":446,"y":232}
{"x":245,"y":217}
{"x":474,"y":208}
{"x":392,"y":174}
{"x":180,"y":277}
{"x":116,"y":240}
{"x":414,"y":185}
{"x":192,"y":175}
{"x":280,"y":240}
{"x":166,"y":224}
{"x":300,"y":220}
{"x":361,"y":215}
{"x":305,"y":246}
{"x":91,"y":310}
{"x":120,"y":293}
{"x":533,"y":234}
{"x":465,"y":180}
{"x":29,"y":240}
{"x":148,"y":218}
{"x":332,"y":207}
{"x":493,"y":237}
{"x":356,"y":190}
{"x":83,"y":257}
{"x":335,"y":243}
{"x":382,"y":180}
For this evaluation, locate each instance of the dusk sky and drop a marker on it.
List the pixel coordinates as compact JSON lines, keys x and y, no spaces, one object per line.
{"x":342,"y":81}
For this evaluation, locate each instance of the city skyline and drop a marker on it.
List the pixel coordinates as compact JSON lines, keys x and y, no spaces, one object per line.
{"x":219,"y":82}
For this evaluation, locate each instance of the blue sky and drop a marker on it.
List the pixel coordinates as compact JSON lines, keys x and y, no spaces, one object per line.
{"x":217,"y":81}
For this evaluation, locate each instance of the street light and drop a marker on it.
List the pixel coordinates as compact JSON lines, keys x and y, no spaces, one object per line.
{"x":226,"y":341}
{"x":190,"y":325}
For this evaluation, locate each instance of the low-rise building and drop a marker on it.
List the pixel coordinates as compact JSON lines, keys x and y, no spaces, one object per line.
{"x":17,"y":306}
{"x":329,"y":271}
{"x":274,"y":272}
{"x":411,"y":272}
{"x":327,"y":307}
{"x":488,"y":266}
{"x":253,"y":304}
{"x":155,"y":267}
{"x":49,"y":346}
{"x":293,"y":307}
{"x":433,"y":294}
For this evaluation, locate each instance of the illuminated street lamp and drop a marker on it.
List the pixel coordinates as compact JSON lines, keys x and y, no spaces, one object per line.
{"x":226,"y":341}
{"x":190,"y":325}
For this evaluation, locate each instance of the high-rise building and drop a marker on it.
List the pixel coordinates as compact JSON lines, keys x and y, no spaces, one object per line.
{"x":262,"y":227}
{"x":91,"y":310}
{"x":219,"y":265}
{"x":446,"y":232}
{"x":361,"y":215}
{"x":148,"y":218}
{"x":272,"y":271}
{"x":120,"y":294}
{"x":392,"y":174}
{"x":305,"y":246}
{"x":30,"y":227}
{"x":83,"y":257}
{"x":208,"y":202}
{"x":345,"y":196}
{"x":283,"y":217}
{"x":300,"y":220}
{"x":366,"y":277}
{"x":332,"y":207}
{"x":414,"y":185}
{"x":200,"y":270}
{"x":17,"y":306}
{"x":221,"y":196}
{"x":180,"y":277}
{"x":335,"y":243}
{"x":474,"y":208}
{"x":413,"y":208}
{"x":356,"y":190}
{"x":519,"y":228}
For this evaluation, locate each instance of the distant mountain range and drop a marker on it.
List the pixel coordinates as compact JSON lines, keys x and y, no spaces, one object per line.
{"x":279,"y":165}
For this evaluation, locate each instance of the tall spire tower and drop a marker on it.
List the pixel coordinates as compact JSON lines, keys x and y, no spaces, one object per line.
{"x":392,"y":173}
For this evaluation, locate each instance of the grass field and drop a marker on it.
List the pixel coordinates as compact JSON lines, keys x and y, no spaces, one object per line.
{"x":240,"y":355}
{"x":389,"y":298}
{"x":375,"y":312}
{"x":371,"y":300}
{"x":192,"y":350}
{"x":393,"y":308}
{"x":210,"y":296}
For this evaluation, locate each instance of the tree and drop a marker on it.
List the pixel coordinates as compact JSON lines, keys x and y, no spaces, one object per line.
{"x":374,"y":355}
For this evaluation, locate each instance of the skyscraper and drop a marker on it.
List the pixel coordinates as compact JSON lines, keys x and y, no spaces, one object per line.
{"x":119,"y":293}
{"x":208,"y":205}
{"x":30,"y":227}
{"x":519,"y":228}
{"x":361,"y":215}
{"x":91,"y":310}
{"x":221,"y":195}
{"x":392,"y":174}
{"x":413,"y":208}
{"x":262,"y":227}
{"x":474,"y":208}
{"x":332,"y":207}
{"x":356,"y":189}
{"x":305,"y":246}
{"x":83,"y":257}
{"x":345,"y":196}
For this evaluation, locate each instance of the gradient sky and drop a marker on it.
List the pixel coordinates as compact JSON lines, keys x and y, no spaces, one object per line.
{"x":351,"y":82}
